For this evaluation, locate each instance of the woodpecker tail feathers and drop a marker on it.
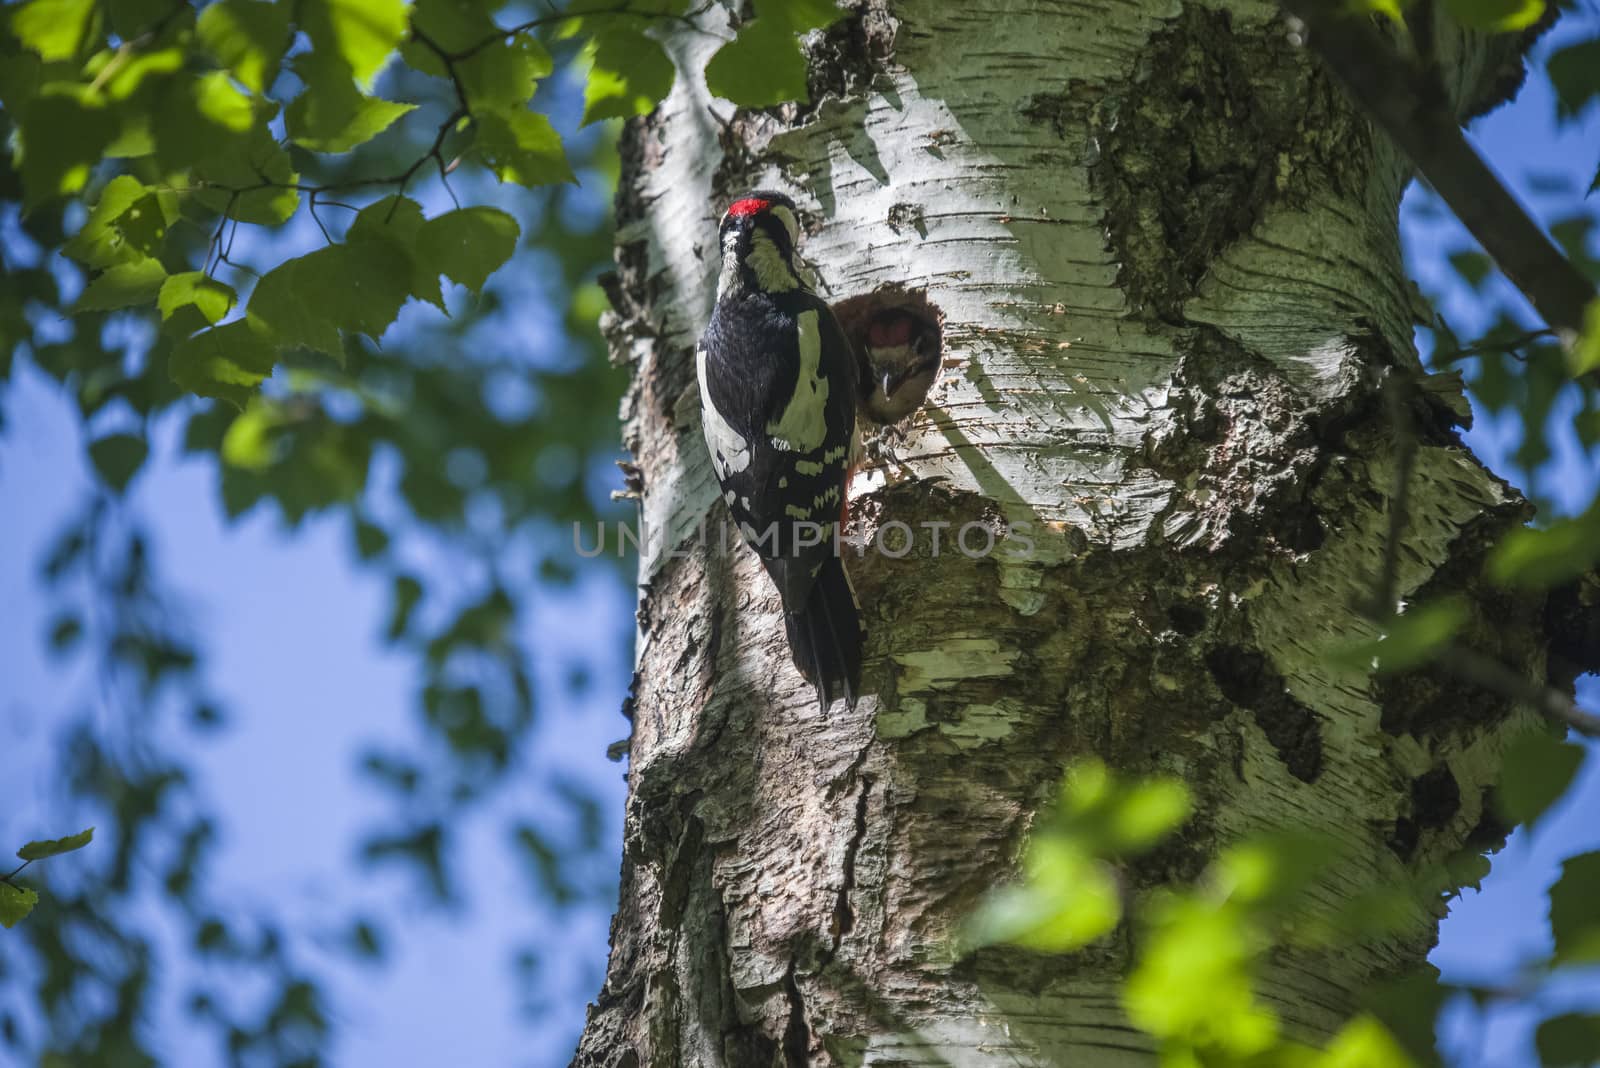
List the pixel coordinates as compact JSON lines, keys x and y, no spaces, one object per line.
{"x":825,"y":637}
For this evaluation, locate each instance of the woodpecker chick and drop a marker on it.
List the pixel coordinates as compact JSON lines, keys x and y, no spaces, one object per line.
{"x":902,"y":355}
{"x":778,"y":386}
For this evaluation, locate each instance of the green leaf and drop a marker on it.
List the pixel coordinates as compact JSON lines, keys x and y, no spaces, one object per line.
{"x":1068,"y":900}
{"x":15,"y":904}
{"x":398,"y":220}
{"x":251,"y":440}
{"x":1407,"y":641}
{"x":468,"y":245}
{"x":1535,"y":772}
{"x":1408,"y":1006}
{"x":1473,"y":266}
{"x":521,"y":146}
{"x":761,"y":67}
{"x":55,"y":29}
{"x":1543,"y":558}
{"x":1193,"y":981}
{"x":122,"y":286}
{"x":1496,"y":16}
{"x":1573,"y":919}
{"x":61,"y":137}
{"x":121,"y":81}
{"x":201,"y":119}
{"x":214,"y":299}
{"x":295,"y":304}
{"x":331,"y":125}
{"x":117,"y":458}
{"x":1586,"y":353}
{"x":131,"y":18}
{"x":1363,"y":1043}
{"x":54,"y":847}
{"x":227,"y":362}
{"x":356,"y":287}
{"x":101,"y":242}
{"x":1575,"y":73}
{"x":1568,"y":1041}
{"x":498,"y":73}
{"x":258,"y":159}
{"x":1270,"y":869}
{"x":1148,"y":812}
{"x":363,"y":33}
{"x":630,"y":74}
{"x":764,"y":64}
{"x":20,"y":76}
{"x":249,"y":37}
{"x":505,"y":73}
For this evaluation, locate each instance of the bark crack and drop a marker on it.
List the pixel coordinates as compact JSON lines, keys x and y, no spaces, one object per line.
{"x":844,"y":917}
{"x":797,"y":1034}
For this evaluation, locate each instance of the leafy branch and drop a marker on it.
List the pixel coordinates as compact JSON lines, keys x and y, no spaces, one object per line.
{"x":17,"y":901}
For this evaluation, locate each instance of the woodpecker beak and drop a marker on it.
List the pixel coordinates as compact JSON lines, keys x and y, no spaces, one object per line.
{"x":891,"y":383}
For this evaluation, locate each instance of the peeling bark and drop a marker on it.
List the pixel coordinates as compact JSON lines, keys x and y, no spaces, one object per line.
{"x":1165,"y":253}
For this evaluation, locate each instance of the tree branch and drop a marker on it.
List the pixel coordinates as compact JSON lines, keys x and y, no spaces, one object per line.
{"x":1410,"y":104}
{"x":1493,"y":675}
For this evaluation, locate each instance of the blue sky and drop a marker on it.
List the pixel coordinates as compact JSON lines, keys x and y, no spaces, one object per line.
{"x":291,"y":629}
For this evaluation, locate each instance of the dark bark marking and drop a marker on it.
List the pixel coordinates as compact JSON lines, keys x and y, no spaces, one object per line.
{"x":1435,"y":798}
{"x":1209,"y":129}
{"x":677,"y":874}
{"x":1403,"y":837}
{"x":1572,"y":619}
{"x":1187,"y":617}
{"x":848,"y":55}
{"x":844,"y":917}
{"x":797,"y":1033}
{"x":1246,"y":679}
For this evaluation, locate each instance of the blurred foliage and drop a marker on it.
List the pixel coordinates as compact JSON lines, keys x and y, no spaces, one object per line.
{"x":227,"y":222}
{"x":1200,"y":952}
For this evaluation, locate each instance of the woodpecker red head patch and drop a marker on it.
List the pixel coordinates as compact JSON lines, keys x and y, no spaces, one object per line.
{"x":749,"y":206}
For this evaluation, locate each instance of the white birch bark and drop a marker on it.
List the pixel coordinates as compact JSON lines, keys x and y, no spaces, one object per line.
{"x":1167,"y":258}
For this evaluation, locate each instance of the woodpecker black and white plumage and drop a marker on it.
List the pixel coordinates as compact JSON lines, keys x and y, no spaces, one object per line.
{"x":778,"y":386}
{"x":902,"y":359}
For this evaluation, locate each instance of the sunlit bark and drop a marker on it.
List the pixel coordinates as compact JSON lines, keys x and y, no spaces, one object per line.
{"x":1165,"y":251}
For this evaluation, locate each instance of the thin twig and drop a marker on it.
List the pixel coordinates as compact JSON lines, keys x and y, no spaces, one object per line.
{"x":1492,"y":675}
{"x":1509,"y":345}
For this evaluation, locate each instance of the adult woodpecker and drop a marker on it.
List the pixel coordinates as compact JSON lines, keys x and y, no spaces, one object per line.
{"x":778,"y":386}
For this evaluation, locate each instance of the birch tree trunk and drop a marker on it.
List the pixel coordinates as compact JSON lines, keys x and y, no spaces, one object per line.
{"x":1165,"y":250}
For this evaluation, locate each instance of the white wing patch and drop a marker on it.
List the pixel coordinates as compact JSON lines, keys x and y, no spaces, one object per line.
{"x":730,"y":453}
{"x":803,"y":426}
